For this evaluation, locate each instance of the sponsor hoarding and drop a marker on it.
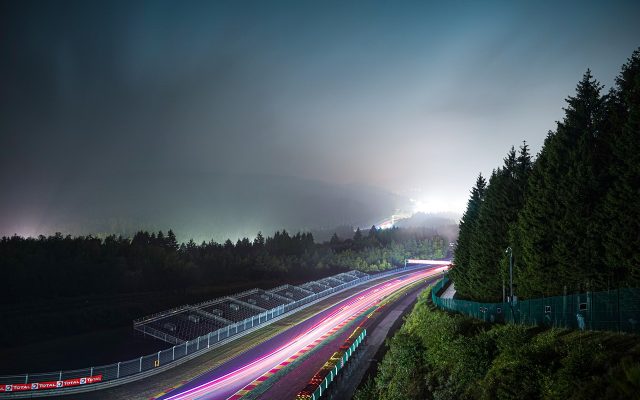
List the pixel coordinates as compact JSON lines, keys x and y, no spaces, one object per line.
{"x":21,"y":387}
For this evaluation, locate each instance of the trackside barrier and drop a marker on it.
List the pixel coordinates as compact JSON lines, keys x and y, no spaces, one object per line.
{"x":105,"y":376}
{"x":614,"y":310}
{"x":320,"y":382}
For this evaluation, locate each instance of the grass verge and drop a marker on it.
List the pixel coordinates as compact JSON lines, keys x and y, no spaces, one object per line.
{"x":437,"y":355}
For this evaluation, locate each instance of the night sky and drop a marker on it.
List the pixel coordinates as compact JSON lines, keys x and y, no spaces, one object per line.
{"x":169,"y":113}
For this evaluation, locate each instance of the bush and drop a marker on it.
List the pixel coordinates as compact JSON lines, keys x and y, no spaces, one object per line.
{"x":440,"y":356}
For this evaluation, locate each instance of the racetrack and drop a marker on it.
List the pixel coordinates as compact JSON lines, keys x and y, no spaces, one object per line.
{"x":232,"y":376}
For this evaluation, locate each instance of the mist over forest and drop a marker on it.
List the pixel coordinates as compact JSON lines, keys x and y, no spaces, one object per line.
{"x":202,"y":206}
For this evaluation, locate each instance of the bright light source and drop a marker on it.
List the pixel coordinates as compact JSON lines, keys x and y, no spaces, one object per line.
{"x":430,"y":205}
{"x":438,"y":203}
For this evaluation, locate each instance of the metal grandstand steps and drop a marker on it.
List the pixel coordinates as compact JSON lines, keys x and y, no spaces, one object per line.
{"x":188,"y":322}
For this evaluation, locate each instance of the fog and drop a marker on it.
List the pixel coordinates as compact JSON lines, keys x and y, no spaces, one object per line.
{"x":219,"y":119}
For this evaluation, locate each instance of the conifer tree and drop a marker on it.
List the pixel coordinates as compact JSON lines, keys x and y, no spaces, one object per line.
{"x":621,"y":207}
{"x":572,"y":217}
{"x":357,"y":237}
{"x":577,"y":249}
{"x":523,"y":171}
{"x":466,"y":236}
{"x":258,"y":242}
{"x":503,"y":200}
{"x":556,"y":226}
{"x":172,"y":242}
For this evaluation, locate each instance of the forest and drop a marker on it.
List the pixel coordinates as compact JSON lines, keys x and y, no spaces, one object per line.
{"x":62,"y":285}
{"x":570,"y":215}
{"x":58,"y":266}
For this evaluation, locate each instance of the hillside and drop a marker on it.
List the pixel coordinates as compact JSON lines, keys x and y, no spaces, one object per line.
{"x":436,"y":355}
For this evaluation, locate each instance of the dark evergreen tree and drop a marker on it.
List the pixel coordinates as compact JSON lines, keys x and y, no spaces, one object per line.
{"x":523,"y":172}
{"x":536,"y":225}
{"x":160,"y":239}
{"x":357,"y":237}
{"x":465,"y":237}
{"x":258,"y":242}
{"x":488,"y":267}
{"x":171,"y":241}
{"x":621,"y":208}
{"x":558,"y":231}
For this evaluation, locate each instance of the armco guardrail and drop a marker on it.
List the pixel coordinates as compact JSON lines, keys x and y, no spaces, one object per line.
{"x":615,"y":310}
{"x":320,"y":382}
{"x":105,"y":376}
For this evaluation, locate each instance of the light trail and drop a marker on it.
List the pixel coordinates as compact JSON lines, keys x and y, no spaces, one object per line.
{"x":225,"y":386}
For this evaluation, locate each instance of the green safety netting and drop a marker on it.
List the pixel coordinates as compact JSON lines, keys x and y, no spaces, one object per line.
{"x":613,"y":310}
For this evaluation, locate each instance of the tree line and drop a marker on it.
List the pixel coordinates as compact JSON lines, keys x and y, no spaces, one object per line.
{"x":571,"y":216}
{"x":58,"y":266}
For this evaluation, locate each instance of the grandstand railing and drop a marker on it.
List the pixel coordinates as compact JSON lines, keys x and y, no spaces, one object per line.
{"x":613,"y":310}
{"x":149,"y":318}
{"x":105,"y":376}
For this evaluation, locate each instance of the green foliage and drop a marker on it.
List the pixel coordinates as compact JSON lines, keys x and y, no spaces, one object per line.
{"x":622,"y":204}
{"x":626,"y":378}
{"x":436,"y":355}
{"x":462,"y":258}
{"x":402,"y":375}
{"x":61,"y":266}
{"x":61,"y":269}
{"x":482,"y":268}
{"x":367,"y":391}
{"x":572,"y":217}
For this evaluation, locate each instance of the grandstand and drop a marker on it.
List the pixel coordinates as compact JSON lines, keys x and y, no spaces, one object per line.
{"x":331,"y":282}
{"x":358,"y":274}
{"x":315,"y":287}
{"x":263,"y":299}
{"x":186,"y":325}
{"x":291,"y":292}
{"x":345,"y":277}
{"x":191,"y":321}
{"x":232,"y":310}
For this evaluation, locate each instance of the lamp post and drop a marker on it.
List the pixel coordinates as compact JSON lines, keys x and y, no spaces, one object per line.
{"x":510,"y":251}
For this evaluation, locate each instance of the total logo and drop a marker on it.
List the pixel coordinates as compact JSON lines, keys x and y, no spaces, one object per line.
{"x":59,"y":384}
{"x":8,"y":388}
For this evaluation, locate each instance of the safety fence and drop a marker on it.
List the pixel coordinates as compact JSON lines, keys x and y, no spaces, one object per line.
{"x":99,"y":377}
{"x":329,"y":371}
{"x":613,"y":310}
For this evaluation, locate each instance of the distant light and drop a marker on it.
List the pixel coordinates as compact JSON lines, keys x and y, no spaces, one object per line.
{"x":386,"y":224}
{"x":433,"y":204}
{"x":429,"y":262}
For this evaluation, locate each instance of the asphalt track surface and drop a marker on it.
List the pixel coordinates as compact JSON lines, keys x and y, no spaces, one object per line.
{"x":154,"y":387}
{"x":224,"y":381}
{"x":385,"y":320}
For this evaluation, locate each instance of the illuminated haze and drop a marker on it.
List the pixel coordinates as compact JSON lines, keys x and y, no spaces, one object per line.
{"x":223,"y":118}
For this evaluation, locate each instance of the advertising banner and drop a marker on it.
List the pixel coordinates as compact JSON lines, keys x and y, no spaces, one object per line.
{"x":21,"y":387}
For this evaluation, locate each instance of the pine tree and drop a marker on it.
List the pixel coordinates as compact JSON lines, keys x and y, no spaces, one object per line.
{"x":578,"y":248}
{"x":523,"y":172}
{"x":258,"y":242}
{"x":498,"y":214}
{"x":357,"y":237}
{"x":466,"y":236}
{"x":171,"y":241}
{"x":621,"y":207}
{"x":558,"y":233}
